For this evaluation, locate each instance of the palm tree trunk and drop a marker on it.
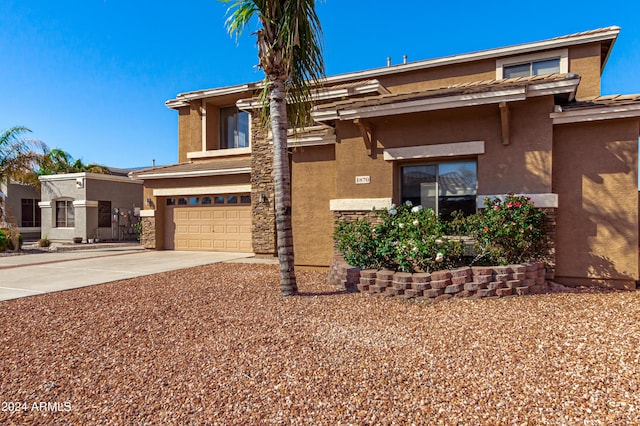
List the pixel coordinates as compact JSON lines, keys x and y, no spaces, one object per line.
{"x":282,"y":183}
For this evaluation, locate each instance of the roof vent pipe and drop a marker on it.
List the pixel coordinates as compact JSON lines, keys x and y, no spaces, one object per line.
{"x":404,"y":59}
{"x":388,"y":61}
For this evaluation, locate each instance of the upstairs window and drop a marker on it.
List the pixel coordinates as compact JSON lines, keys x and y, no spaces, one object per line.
{"x":533,"y":64}
{"x":530,"y":69}
{"x":234,"y":128}
{"x":443,"y":187}
{"x":30,"y":213}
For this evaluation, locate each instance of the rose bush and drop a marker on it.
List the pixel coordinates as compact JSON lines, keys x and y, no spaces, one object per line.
{"x":405,"y":238}
{"x":508,"y":231}
{"x":410,"y":238}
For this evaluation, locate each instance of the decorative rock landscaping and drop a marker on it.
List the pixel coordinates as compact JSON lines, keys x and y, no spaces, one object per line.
{"x":472,"y":282}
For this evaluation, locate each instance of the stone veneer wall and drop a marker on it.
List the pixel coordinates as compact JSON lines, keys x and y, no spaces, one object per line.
{"x":475,"y":282}
{"x":264,"y":220}
{"x":550,"y":230}
{"x":148,"y":234}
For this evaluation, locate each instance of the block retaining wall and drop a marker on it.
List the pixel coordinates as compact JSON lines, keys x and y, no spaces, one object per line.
{"x":472,"y":282}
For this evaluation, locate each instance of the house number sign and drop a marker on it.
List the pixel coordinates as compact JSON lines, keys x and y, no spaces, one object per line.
{"x":363,"y":180}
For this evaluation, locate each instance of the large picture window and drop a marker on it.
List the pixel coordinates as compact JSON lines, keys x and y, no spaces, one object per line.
{"x":30,"y":216}
{"x":65,"y":217}
{"x":443,"y":187}
{"x":234,"y":128}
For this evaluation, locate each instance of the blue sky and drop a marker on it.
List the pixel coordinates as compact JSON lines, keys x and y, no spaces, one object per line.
{"x":91,"y":76}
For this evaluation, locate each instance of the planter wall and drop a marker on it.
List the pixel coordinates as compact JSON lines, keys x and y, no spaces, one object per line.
{"x":475,"y":282}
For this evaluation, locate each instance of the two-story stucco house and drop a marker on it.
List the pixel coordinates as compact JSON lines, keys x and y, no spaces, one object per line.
{"x":445,"y":133}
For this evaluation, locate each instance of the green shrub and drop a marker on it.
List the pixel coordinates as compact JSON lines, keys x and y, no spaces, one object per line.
{"x":407,"y":238}
{"x":356,"y":243}
{"x":509,"y":231}
{"x":5,"y":240}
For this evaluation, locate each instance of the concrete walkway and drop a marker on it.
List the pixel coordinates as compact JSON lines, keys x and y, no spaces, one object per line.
{"x":31,"y":274}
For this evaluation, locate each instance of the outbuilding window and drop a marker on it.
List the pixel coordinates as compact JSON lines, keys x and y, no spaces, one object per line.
{"x":443,"y":187}
{"x":65,"y":216}
{"x":30,"y":216}
{"x":104,"y":214}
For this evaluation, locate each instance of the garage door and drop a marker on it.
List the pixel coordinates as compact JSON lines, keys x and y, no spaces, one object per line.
{"x":209,"y":228}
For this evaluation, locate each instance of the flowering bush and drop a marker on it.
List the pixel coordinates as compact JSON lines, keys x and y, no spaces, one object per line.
{"x":409,"y":238}
{"x":406,"y":238}
{"x":509,"y":231}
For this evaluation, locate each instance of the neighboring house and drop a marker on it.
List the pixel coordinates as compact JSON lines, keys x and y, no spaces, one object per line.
{"x":21,"y":204}
{"x":445,"y":133}
{"x":90,"y":205}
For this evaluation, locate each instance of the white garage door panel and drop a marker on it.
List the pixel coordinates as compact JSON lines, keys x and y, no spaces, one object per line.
{"x":209,"y":228}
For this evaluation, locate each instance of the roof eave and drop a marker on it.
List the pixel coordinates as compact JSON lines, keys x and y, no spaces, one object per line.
{"x":506,"y":94}
{"x":198,"y":173}
{"x":609,"y":112}
{"x":609,"y":33}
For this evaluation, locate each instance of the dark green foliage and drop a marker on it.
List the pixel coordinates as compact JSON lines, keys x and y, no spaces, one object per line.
{"x":407,"y":238}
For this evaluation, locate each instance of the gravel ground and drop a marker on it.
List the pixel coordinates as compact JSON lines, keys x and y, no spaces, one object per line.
{"x":218,"y":345}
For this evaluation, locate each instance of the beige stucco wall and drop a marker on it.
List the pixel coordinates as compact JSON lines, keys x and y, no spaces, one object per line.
{"x":585,"y":61}
{"x":432,"y":78}
{"x":525,"y":164}
{"x":189,"y":130}
{"x":522,"y":166}
{"x":595,"y":175}
{"x":313,"y":185}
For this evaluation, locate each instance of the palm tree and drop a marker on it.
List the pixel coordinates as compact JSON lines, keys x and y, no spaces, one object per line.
{"x":18,"y":158}
{"x":57,"y":161}
{"x":290,"y":54}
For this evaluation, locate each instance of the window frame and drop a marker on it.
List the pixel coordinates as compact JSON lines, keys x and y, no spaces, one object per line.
{"x":69,"y":219}
{"x":36,"y":214}
{"x":213,"y":200}
{"x":223,"y":131}
{"x":437,"y":164}
{"x":104,"y":214}
{"x":562,"y":54}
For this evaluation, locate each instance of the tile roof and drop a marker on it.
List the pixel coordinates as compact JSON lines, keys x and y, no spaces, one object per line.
{"x":451,"y":90}
{"x":602,"y":101}
{"x":194,"y":167}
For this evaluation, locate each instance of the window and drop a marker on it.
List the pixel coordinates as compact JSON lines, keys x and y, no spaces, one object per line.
{"x":30,"y":217}
{"x":234,"y":128}
{"x":206,"y":200}
{"x":528,"y":69}
{"x":182,"y":201}
{"x":104,"y":214}
{"x":171,"y":201}
{"x":65,"y":217}
{"x":194,"y":201}
{"x":444,"y":187}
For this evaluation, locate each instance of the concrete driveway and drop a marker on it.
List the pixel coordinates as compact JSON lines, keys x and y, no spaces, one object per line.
{"x":32,"y":274}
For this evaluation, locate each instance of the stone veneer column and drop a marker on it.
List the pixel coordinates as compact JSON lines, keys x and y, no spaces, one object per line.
{"x":264,"y":219}
{"x":148,"y":234}
{"x":550,"y":230}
